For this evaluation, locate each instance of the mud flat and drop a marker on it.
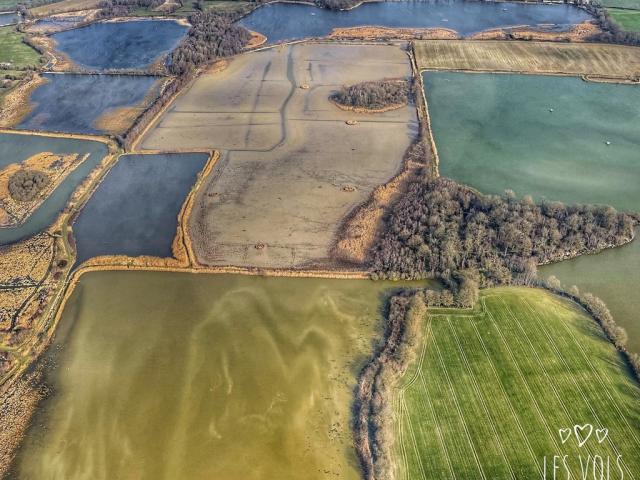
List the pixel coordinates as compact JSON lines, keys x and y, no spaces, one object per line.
{"x":120,"y":45}
{"x":227,"y":366}
{"x":599,"y":60}
{"x":291,"y":167}
{"x":77,"y":103}
{"x":134,"y":211}
{"x":16,"y":148}
{"x":285,"y":21}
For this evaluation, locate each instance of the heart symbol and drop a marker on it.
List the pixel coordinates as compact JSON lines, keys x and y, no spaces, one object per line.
{"x":565,"y":433}
{"x":580,"y":433}
{"x":601,"y":434}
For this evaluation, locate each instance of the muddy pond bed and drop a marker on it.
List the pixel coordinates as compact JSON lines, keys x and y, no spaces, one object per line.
{"x":194,"y":376}
{"x":77,"y":103}
{"x":17,"y":148}
{"x":558,"y":138}
{"x":285,"y":21}
{"x":135,"y":209}
{"x":120,"y":45}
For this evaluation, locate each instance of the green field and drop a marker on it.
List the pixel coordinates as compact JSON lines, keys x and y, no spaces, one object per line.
{"x":629,"y":20}
{"x":631,"y":4}
{"x":15,"y":52}
{"x":493,"y":387}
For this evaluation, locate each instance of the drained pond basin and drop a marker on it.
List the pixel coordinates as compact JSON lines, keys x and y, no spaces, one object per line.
{"x":91,"y":104}
{"x":285,"y":21}
{"x":192,"y":376}
{"x":120,"y":45}
{"x":17,"y":148}
{"x":135,"y":209}
{"x":560,"y":138}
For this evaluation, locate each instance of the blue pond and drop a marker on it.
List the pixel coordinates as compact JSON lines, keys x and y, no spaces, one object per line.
{"x":9,"y":18}
{"x":135,"y":209}
{"x":73,"y":103}
{"x":120,"y":45}
{"x":285,"y":21}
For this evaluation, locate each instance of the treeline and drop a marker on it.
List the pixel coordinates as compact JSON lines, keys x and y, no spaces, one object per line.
{"x":373,"y":414}
{"x":122,"y":8}
{"x":374,"y":95}
{"x":600,"y":312}
{"x":612,"y":33}
{"x":440,"y":227}
{"x":212,"y":35}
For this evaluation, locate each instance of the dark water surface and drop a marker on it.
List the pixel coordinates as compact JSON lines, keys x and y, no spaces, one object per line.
{"x":17,"y":148}
{"x":72,"y":103}
{"x":135,"y":209}
{"x":120,"y":45}
{"x":285,"y":21}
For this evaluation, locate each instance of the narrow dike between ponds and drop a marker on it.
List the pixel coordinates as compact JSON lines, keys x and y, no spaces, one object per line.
{"x":372,"y":409}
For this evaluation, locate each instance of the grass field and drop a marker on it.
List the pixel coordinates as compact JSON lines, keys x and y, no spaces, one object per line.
{"x":631,"y":4}
{"x":629,"y":20}
{"x":14,"y":51}
{"x":493,"y":387}
{"x":534,"y":57}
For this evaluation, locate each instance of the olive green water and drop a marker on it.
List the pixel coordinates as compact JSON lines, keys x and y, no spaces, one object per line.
{"x":497,"y":132}
{"x":191,"y":376}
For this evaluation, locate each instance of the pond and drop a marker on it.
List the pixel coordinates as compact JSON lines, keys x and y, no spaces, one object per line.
{"x":17,"y":148}
{"x":135,"y":209}
{"x":554,"y":137}
{"x":75,"y":103}
{"x":9,"y":18}
{"x":286,"y":21}
{"x":195,"y":376}
{"x":120,"y":45}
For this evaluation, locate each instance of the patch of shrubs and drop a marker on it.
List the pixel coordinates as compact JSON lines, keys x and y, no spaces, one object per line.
{"x":440,"y":227}
{"x":24,"y":185}
{"x":212,"y":35}
{"x":374,"y":95}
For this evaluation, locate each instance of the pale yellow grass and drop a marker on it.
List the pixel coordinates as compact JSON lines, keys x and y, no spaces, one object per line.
{"x":602,"y":60}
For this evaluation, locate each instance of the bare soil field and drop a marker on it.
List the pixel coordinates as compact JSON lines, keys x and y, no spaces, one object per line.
{"x":611,"y":61}
{"x":291,"y":167}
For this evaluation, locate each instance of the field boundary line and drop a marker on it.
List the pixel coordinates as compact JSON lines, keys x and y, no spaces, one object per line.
{"x":480,"y":396}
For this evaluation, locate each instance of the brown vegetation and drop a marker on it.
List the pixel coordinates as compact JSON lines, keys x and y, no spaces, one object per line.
{"x":582,"y":32}
{"x":15,"y":104}
{"x":611,"y":61}
{"x":387,"y":33}
{"x":373,"y":414}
